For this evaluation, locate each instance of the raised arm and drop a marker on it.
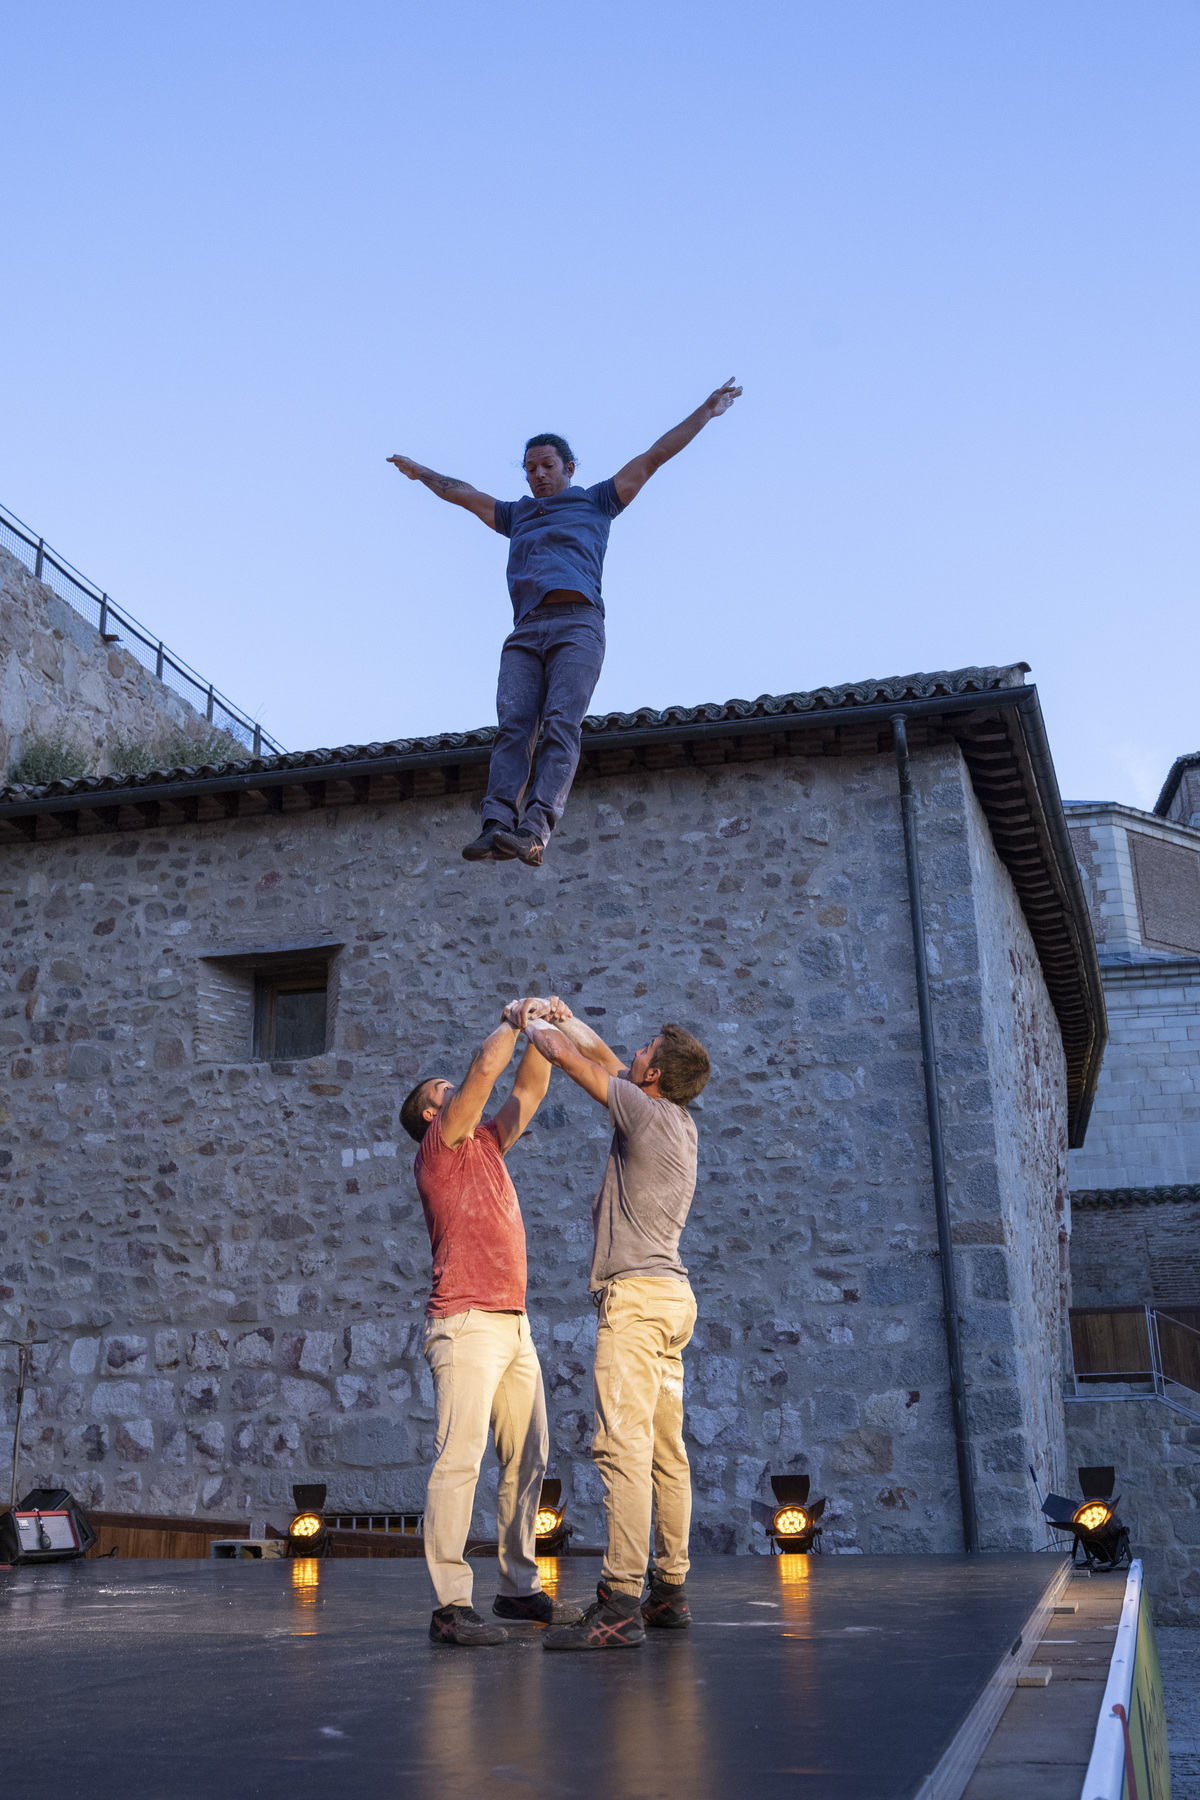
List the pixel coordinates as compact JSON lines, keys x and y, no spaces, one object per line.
{"x":448,"y":487}
{"x":464,"y":1109}
{"x":633,"y":477}
{"x":560,"y":1051}
{"x":584,"y":1039}
{"x":529,"y":1090}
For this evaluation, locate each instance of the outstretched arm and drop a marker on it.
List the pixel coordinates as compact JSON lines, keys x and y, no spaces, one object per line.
{"x":529,"y":1089}
{"x":448,"y":487}
{"x":464,"y":1109}
{"x":633,"y":477}
{"x":584,"y":1039}
{"x":560,"y":1051}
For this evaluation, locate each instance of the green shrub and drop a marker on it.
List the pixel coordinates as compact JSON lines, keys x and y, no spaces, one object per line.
{"x":213,"y":747}
{"x":129,"y":757}
{"x":48,"y":759}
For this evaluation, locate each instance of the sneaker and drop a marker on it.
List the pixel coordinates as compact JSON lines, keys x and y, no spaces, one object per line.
{"x":463,"y":1625}
{"x":484,"y":848}
{"x":522,"y":844}
{"x":666,"y":1604}
{"x":536,"y":1609}
{"x":610,"y":1623}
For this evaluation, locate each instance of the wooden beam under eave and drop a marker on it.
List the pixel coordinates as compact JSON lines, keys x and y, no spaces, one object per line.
{"x":149,"y":812}
{"x":315,"y":791}
{"x":230,"y":803}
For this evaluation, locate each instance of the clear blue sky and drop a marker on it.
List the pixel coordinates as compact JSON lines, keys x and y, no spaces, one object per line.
{"x":950,"y":250}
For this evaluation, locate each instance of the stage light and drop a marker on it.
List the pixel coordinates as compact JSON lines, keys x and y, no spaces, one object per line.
{"x":794,"y":1529}
{"x":1091,"y":1515}
{"x":1095,"y":1529}
{"x":307,"y":1534}
{"x":550,"y":1531}
{"x":790,"y":1521}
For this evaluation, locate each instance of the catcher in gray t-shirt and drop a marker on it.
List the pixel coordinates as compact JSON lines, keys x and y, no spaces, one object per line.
{"x":649,"y":1180}
{"x":647,"y":1315}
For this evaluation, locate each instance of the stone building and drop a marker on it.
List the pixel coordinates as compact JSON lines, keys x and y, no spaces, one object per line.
{"x":220,"y":983}
{"x":60,"y":674}
{"x":1135,"y":1183}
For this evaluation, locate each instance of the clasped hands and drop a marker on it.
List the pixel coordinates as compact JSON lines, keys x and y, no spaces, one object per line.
{"x":551,"y":1012}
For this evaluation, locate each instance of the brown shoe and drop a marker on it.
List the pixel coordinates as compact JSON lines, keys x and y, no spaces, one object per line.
{"x":484,"y":848}
{"x":463,"y":1625}
{"x":522,"y":844}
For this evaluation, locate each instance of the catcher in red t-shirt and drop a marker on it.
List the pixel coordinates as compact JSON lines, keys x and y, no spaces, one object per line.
{"x":477,"y":1340}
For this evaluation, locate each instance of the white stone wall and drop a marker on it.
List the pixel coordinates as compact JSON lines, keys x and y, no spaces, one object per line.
{"x":230,"y":1257}
{"x":57,"y":674}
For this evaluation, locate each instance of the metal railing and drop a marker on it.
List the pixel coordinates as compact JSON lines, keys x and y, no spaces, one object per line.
{"x":1139,"y":1346}
{"x":94,"y":605}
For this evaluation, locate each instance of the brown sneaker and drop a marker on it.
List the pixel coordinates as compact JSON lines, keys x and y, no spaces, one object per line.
{"x":536,"y":1609}
{"x":463,"y":1625}
{"x":611,"y":1622}
{"x":666,"y":1604}
{"x":522,"y":844}
{"x":484,"y":848}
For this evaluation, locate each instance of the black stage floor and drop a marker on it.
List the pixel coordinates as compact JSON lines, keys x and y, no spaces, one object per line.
{"x":821,"y":1677}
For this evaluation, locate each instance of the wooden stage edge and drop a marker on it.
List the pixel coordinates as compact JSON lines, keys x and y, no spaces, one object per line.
{"x":156,"y":1535}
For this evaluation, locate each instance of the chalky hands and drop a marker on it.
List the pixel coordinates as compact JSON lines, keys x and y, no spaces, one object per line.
{"x":532,"y":1007}
{"x":406,"y":466}
{"x":720,"y":400}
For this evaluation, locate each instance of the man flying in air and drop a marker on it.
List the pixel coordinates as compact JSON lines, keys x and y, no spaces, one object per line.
{"x":551,"y":660}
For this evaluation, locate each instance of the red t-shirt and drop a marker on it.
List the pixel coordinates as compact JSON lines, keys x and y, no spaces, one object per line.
{"x":475,"y":1225}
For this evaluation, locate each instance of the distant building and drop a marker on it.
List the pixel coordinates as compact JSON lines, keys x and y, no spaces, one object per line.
{"x":1135,"y":1182}
{"x":221,"y":983}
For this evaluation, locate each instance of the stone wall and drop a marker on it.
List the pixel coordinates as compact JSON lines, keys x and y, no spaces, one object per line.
{"x":229,"y":1256}
{"x":1155,"y":1450}
{"x":1025,"y":1280}
{"x":57,"y":674}
{"x":1136,"y":1253}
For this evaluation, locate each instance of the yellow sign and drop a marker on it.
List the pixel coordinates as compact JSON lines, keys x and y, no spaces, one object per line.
{"x":1146,"y":1757}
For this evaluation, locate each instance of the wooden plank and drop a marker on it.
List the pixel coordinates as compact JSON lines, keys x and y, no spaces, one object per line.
{"x":1110,"y":1343}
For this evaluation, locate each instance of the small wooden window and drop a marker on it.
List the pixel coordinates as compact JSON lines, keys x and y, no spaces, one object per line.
{"x":291,"y":1012}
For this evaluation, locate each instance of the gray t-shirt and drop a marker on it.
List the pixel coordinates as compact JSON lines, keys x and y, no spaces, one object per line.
{"x":647,"y":1188}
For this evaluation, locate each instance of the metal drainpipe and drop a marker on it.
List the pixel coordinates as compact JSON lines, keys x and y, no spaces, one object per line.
{"x":937,"y":1148}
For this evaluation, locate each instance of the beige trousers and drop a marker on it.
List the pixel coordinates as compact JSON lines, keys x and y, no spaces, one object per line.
{"x":638,"y":1448}
{"x":486,"y":1374}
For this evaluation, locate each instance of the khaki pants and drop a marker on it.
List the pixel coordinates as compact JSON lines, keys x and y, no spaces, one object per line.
{"x":485,"y":1374}
{"x":644,"y":1325}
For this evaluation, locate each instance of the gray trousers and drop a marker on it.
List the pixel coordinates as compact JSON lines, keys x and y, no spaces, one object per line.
{"x":549,"y":668}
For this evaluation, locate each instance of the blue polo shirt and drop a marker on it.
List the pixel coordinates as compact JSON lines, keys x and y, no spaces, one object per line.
{"x":558,"y":542}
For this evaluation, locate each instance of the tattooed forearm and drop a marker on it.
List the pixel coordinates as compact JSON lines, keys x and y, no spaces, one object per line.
{"x":445,"y":485}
